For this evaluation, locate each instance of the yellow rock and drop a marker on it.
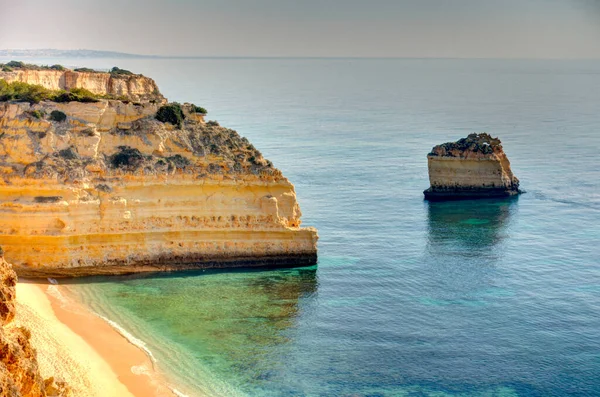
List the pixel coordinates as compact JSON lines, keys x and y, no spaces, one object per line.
{"x":472,"y":167}
{"x":134,"y":87}
{"x":113,"y":190}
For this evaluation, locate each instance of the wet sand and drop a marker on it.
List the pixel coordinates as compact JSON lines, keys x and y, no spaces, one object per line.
{"x":80,"y":348}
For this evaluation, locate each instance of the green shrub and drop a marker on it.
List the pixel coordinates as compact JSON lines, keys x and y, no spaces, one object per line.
{"x":84,"y":70}
{"x":15,"y":64}
{"x":198,"y":109}
{"x":76,"y":95}
{"x":171,"y":113}
{"x":82,"y":92}
{"x":120,"y":72}
{"x":6,"y":68}
{"x":28,"y":66}
{"x":212,"y":123}
{"x":58,"y":116}
{"x":18,"y":91}
{"x":37,"y":114}
{"x":178,"y":161}
{"x":23,"y":92}
{"x":127,"y":157}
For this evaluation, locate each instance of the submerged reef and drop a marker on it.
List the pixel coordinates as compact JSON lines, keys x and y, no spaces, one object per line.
{"x":470,"y":168}
{"x":133,"y":183}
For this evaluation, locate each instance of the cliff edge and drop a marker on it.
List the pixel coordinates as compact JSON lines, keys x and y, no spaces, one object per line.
{"x":19,"y":371}
{"x":117,"y":83}
{"x":470,"y":168}
{"x":110,"y":186}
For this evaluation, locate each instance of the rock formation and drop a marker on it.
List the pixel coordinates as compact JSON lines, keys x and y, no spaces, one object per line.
{"x":118,"y":83}
{"x":113,"y":187}
{"x":19,"y":372}
{"x":472,"y":167}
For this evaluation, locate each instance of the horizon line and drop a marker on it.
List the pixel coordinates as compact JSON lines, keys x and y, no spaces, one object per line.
{"x":118,"y":54}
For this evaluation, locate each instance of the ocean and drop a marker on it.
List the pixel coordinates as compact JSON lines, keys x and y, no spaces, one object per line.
{"x":409,"y":298}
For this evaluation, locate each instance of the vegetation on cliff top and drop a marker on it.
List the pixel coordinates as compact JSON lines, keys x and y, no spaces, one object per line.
{"x":118,"y":72}
{"x":18,"y":65}
{"x":23,"y":92}
{"x":12,"y":65}
{"x":476,"y":143}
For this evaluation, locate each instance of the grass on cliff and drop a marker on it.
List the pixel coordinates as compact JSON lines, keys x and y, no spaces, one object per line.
{"x":23,"y":92}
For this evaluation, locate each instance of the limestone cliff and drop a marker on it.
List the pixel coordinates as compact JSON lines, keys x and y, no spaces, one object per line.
{"x":107,"y":187}
{"x":19,"y":372}
{"x":472,"y":167}
{"x":131,"y":86}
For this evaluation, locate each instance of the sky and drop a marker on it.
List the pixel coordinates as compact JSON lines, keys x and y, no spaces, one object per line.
{"x":315,"y":28}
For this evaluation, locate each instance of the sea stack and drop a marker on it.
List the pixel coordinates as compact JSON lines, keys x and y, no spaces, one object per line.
{"x":470,"y":168}
{"x":107,"y":177}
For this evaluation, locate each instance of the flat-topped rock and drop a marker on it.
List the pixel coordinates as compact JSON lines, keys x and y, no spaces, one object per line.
{"x":470,"y":168}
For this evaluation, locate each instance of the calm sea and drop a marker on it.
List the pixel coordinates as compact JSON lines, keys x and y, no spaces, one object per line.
{"x":410,"y":298}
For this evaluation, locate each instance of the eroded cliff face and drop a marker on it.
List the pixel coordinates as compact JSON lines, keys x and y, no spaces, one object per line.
{"x":19,"y":372}
{"x":472,"y":167}
{"x":133,"y":87}
{"x":113,"y":190}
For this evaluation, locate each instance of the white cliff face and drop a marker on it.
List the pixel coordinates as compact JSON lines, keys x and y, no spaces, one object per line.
{"x":133,"y":87}
{"x":113,"y":190}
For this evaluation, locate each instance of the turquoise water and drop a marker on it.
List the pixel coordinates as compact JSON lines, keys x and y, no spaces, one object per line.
{"x":410,"y":298}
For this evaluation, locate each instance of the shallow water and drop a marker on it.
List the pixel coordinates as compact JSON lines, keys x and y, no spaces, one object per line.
{"x":492,"y":297}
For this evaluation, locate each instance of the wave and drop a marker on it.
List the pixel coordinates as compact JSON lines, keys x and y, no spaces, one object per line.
{"x":179,"y":374}
{"x":177,"y":392}
{"x":130,"y":338}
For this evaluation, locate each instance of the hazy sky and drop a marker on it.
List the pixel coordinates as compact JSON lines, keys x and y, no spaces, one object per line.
{"x":379,"y":28}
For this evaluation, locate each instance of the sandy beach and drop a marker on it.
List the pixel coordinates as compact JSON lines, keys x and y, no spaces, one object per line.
{"x":80,"y":348}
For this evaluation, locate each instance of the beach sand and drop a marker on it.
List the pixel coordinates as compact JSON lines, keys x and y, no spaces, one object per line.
{"x":78,"y":347}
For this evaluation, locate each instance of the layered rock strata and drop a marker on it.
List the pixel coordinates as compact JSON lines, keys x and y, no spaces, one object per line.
{"x":111,"y":189}
{"x":134,"y":87}
{"x":472,"y":167}
{"x":19,"y":370}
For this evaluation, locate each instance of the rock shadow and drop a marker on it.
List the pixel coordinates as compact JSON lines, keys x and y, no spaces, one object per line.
{"x":468,"y":228}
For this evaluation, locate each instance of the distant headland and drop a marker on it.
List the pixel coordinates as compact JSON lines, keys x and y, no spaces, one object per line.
{"x":56,"y":53}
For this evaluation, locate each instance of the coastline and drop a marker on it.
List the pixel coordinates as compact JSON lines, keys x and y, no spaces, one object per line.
{"x":78,"y":347}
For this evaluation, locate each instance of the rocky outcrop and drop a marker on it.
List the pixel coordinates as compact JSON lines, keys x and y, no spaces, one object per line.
{"x":106,"y":188}
{"x":133,"y":87}
{"x":472,"y":167}
{"x":19,"y":372}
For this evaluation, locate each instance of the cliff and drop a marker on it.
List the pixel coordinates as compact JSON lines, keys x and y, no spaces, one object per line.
{"x":118,"y":83}
{"x":112,"y":187}
{"x":19,"y":372}
{"x":472,"y":167}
